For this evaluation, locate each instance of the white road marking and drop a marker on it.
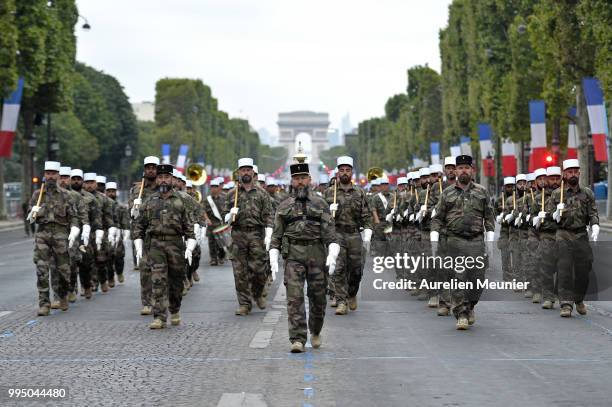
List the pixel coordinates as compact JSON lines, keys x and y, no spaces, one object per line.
{"x":242,"y":400}
{"x":5,"y":313}
{"x":263,"y":337}
{"x":16,"y":243}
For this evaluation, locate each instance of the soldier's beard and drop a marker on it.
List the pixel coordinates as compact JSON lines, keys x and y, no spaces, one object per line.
{"x":464,"y":179}
{"x":50,"y":183}
{"x":301,"y":193}
{"x":163,"y":188}
{"x":77,"y":187}
{"x":345,"y":179}
{"x":573,"y":181}
{"x":451,"y":177}
{"x":246,"y":179}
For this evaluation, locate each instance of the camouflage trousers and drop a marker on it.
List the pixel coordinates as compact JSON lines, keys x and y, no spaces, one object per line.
{"x":443,"y":275}
{"x":117,"y":260}
{"x":297,"y":273}
{"x":195,"y":263}
{"x":516,"y":258}
{"x":424,"y":273}
{"x":503,"y":245}
{"x":102,"y":261}
{"x":249,"y":258}
{"x":349,"y":266}
{"x":51,"y":247}
{"x":465,"y":299}
{"x":75,"y":258}
{"x":575,"y":264}
{"x":166,"y":259}
{"x":215,"y":251}
{"x":530,"y":265}
{"x":146,"y":286}
{"x":85,"y":266}
{"x":380,"y":239}
{"x":547,"y":255}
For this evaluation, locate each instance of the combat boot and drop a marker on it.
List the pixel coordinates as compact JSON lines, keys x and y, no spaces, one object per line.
{"x":88,"y":293}
{"x":43,"y":311}
{"x":297,"y":347}
{"x":196,"y":276}
{"x":72,"y":297}
{"x":566,"y":311}
{"x":105,"y":287}
{"x":242,"y":310}
{"x":333,"y":302}
{"x":548,"y":304}
{"x":462,"y":323}
{"x":64,"y":304}
{"x":528,"y":294}
{"x":341,"y":309}
{"x":111,"y":282}
{"x":55,"y":304}
{"x":146,"y":310}
{"x":443,"y":311}
{"x":136,"y":269}
{"x":352,"y":303}
{"x":175,"y":319}
{"x":581,"y":308}
{"x":82,"y":292}
{"x":121,"y":278}
{"x":471,"y":317}
{"x":157,"y":324}
{"x":221,"y":262}
{"x":433,"y":302}
{"x":261,"y":302}
{"x":315,"y":341}
{"x":537,"y":298}
{"x":213,"y":263}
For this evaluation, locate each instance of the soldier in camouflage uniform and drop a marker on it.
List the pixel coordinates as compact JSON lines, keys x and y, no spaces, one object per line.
{"x":518,"y":229}
{"x":198,"y":219}
{"x":545,"y":230}
{"x":213,"y":206}
{"x":302,"y":231}
{"x":530,"y":263}
{"x":503,"y":244}
{"x":427,"y":201}
{"x":413,"y":235}
{"x":123,"y":225}
{"x":94,"y":214}
{"x":574,"y":213}
{"x":164,"y":220}
{"x":135,"y":203}
{"x":104,"y":274}
{"x":464,"y":211}
{"x":351,"y":213}
{"x":252,"y":222}
{"x":381,"y":206}
{"x":58,"y":229}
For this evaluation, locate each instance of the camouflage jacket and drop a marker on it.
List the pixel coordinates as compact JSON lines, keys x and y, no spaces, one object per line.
{"x":106,"y":208}
{"x":464,"y":213}
{"x":379,"y":207}
{"x":353,"y":208}
{"x":164,"y":217}
{"x":548,"y":224}
{"x":94,"y":213}
{"x":219,"y":202}
{"x":255,"y":210}
{"x":502,"y":209}
{"x":123,"y":216}
{"x":147,"y":191}
{"x":80,"y":206}
{"x":56,"y":207}
{"x":432,"y":201}
{"x":580,"y":210}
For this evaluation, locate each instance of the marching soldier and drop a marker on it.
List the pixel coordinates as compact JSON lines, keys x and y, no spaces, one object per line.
{"x":123,"y":226}
{"x":86,"y":265}
{"x":424,"y":208}
{"x":575,"y":211}
{"x":58,"y":228}
{"x":199,"y":230}
{"x":518,"y":229}
{"x":104,"y":256}
{"x":351,"y":213}
{"x":138,"y":195}
{"x":251,"y":219}
{"x":302,"y":231}
{"x":465,"y":213}
{"x":323,"y":184}
{"x":503,"y":243}
{"x":213,"y":205}
{"x":530,"y":262}
{"x":164,"y":221}
{"x":381,"y":207}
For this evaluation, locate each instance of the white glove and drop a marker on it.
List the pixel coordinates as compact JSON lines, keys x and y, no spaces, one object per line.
{"x":126,"y":234}
{"x":498,"y":219}
{"x":268,"y":238}
{"x":518,"y":221}
{"x":333,"y":251}
{"x":557,"y":214}
{"x":389,"y":217}
{"x":196,"y":231}
{"x":367,"y":239}
{"x":191,"y":245}
{"x":274,"y":254}
{"x":229,"y":215}
{"x":508,"y":218}
{"x":111,"y":235}
{"x":434,"y":237}
{"x":527,"y":218}
{"x":138,"y":248}
{"x":433,"y":213}
{"x":99,"y":237}
{"x":33,"y":213}
{"x":594,"y":232}
{"x":398,"y":218}
{"x":117,"y":236}
{"x":135,"y":209}
{"x":406,"y":214}
{"x":421,"y":214}
{"x":411,"y":218}
{"x":85,"y":234}
{"x":333,"y":208}
{"x":74,"y":234}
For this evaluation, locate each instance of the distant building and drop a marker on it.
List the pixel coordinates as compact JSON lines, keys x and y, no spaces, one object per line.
{"x":144,"y":111}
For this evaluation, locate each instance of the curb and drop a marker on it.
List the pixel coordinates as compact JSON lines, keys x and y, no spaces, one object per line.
{"x":9,"y":226}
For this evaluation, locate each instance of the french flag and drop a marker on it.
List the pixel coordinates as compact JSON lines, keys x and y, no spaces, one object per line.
{"x":487,"y":153}
{"x":10,"y":116}
{"x":597,"y":117}
{"x":466,"y":145}
{"x":537,"y":114}
{"x":572,"y":136}
{"x":455,"y":150}
{"x":435,"y":152}
{"x":182,"y":157}
{"x":509,"y":158}
{"x":165,"y":153}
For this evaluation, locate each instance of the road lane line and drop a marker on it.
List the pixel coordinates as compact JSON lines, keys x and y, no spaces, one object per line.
{"x":5,"y":313}
{"x":16,"y":243}
{"x":242,"y":400}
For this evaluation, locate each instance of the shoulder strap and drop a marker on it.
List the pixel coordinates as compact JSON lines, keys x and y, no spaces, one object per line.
{"x":214,"y":208}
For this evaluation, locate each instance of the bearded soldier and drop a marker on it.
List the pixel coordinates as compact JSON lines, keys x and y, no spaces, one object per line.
{"x":575,"y":211}
{"x":351,"y":214}
{"x":104,"y":256}
{"x":52,"y":210}
{"x":464,"y":211}
{"x":251,"y":219}
{"x":302,"y":231}
{"x":138,"y":195}
{"x":165,"y":220}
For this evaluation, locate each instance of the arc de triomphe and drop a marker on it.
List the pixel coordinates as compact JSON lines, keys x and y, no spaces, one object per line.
{"x":308,"y":127}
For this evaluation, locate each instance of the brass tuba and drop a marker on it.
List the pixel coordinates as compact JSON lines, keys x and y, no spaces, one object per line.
{"x":198,"y":196}
{"x":196,"y":174}
{"x":374,"y":172}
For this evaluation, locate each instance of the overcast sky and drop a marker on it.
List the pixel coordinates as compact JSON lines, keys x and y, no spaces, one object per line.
{"x":262,"y":57}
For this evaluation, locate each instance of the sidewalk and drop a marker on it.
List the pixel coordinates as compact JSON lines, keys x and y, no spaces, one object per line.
{"x":11,"y":224}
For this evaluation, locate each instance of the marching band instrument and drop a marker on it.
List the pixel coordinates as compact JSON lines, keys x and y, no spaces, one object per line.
{"x":196,"y":174}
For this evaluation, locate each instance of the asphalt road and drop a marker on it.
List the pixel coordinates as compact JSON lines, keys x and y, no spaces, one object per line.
{"x":387,"y":353}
